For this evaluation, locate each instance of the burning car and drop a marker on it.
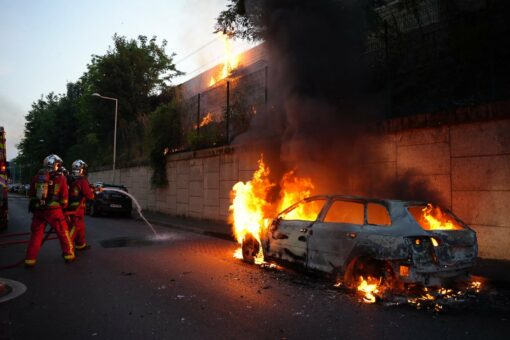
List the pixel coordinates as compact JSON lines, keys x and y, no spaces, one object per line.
{"x":350,"y":237}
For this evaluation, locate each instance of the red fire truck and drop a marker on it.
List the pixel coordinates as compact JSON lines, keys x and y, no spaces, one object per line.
{"x":3,"y":181}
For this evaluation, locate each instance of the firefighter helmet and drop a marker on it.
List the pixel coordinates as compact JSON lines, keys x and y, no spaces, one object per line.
{"x":53,"y":163}
{"x":79,"y":168}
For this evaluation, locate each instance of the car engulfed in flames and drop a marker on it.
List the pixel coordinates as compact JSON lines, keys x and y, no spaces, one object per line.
{"x":374,"y":246}
{"x":352,"y":237}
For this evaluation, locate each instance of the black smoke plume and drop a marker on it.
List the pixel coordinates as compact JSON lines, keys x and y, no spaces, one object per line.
{"x":325,"y":103}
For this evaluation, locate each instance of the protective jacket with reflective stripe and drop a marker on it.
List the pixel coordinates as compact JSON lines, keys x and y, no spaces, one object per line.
{"x":79,"y":193}
{"x":57,"y":193}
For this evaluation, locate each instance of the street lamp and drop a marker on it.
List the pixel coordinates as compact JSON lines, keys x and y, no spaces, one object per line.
{"x":114,"y":131}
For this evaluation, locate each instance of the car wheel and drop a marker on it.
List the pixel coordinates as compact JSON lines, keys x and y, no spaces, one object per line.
{"x":250,"y":248}
{"x":127,"y":214}
{"x":363,"y":266}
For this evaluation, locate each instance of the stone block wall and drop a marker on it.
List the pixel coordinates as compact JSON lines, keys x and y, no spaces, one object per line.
{"x":468,"y":164}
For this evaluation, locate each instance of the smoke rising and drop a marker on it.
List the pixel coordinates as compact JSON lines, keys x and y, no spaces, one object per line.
{"x":325,"y":103}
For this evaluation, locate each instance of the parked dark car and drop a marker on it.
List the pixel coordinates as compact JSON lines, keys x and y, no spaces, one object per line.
{"x":108,"y":200}
{"x":350,"y":236}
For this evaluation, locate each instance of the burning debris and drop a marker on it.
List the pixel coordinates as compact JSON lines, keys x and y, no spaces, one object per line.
{"x":369,"y":290}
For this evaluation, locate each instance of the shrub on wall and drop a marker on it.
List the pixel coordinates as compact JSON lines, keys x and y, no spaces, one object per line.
{"x":162,"y":136}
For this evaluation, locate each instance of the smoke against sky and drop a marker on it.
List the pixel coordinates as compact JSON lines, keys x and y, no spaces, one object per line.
{"x":324,"y":101}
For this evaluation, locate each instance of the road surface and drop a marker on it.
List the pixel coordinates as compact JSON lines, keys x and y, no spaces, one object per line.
{"x":189,"y":286}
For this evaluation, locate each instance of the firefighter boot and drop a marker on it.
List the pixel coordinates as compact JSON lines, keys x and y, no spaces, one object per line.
{"x":30,"y":263}
{"x":69,"y":258}
{"x":82,"y":247}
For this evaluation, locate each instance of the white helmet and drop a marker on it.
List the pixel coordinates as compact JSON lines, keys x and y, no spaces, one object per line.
{"x":79,"y":168}
{"x":53,"y":162}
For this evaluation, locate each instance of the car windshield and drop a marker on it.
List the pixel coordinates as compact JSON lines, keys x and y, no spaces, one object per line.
{"x":432,"y":217}
{"x":304,"y":211}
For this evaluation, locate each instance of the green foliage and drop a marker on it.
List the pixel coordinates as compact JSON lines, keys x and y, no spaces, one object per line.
{"x":79,"y":125}
{"x":252,"y":20}
{"x":243,"y":19}
{"x":163,"y":135}
{"x":207,"y":136}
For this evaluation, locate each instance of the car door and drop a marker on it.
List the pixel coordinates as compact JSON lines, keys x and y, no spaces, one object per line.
{"x":289,"y":232}
{"x":334,"y":236}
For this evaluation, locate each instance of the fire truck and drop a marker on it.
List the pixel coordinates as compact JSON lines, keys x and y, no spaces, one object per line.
{"x":4,"y":175}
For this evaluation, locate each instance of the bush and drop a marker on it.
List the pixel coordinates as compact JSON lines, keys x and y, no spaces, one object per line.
{"x":163,"y":134}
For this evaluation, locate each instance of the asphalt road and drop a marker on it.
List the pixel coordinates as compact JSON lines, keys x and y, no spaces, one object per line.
{"x":189,"y":286}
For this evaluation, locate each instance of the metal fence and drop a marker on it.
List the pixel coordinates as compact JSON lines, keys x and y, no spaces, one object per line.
{"x":425,"y":60}
{"x":440,"y":58}
{"x":217,"y":115}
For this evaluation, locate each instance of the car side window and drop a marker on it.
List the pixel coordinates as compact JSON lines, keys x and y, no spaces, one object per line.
{"x":305,"y":211}
{"x":345,"y":212}
{"x":378,"y":214}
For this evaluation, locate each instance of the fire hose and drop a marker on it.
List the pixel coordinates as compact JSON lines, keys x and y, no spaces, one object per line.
{"x":47,"y":237}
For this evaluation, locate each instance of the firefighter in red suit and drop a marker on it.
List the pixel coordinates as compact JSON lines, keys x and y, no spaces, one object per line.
{"x":79,"y":193}
{"x":48,"y":197}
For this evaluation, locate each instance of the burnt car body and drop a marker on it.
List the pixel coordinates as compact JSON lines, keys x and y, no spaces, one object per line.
{"x":349,"y":236}
{"x":109,"y":201}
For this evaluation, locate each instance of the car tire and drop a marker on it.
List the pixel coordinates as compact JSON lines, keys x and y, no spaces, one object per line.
{"x":363,"y":266}
{"x":250,"y":249}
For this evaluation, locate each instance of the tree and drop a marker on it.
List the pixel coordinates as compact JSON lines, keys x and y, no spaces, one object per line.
{"x":163,"y":135}
{"x":77,"y":125}
{"x":135,"y":72}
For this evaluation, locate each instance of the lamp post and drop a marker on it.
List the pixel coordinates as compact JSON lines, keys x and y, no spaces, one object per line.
{"x":114,"y":131}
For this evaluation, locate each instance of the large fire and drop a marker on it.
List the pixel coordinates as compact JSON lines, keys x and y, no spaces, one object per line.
{"x":251,"y":211}
{"x":230,"y":60}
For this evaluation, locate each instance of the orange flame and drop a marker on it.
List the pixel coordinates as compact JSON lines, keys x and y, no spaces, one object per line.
{"x":436,"y":219}
{"x":249,"y":204}
{"x":368,"y":288}
{"x":208,"y":119}
{"x":230,"y":60}
{"x":251,"y":212}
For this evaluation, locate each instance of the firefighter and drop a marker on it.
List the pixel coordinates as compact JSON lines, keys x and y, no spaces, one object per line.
{"x":48,"y":197}
{"x":79,"y":193}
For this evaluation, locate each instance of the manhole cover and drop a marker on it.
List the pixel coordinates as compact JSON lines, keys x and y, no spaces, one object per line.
{"x":10,"y":289}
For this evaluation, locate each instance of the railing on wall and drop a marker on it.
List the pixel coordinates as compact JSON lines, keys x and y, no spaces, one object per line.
{"x":217,"y":115}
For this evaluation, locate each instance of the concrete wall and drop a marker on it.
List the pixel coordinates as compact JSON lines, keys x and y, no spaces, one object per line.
{"x":199,"y":182}
{"x":468,"y":164}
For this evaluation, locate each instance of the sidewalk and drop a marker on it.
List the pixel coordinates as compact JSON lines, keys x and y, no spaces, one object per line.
{"x":497,"y":271}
